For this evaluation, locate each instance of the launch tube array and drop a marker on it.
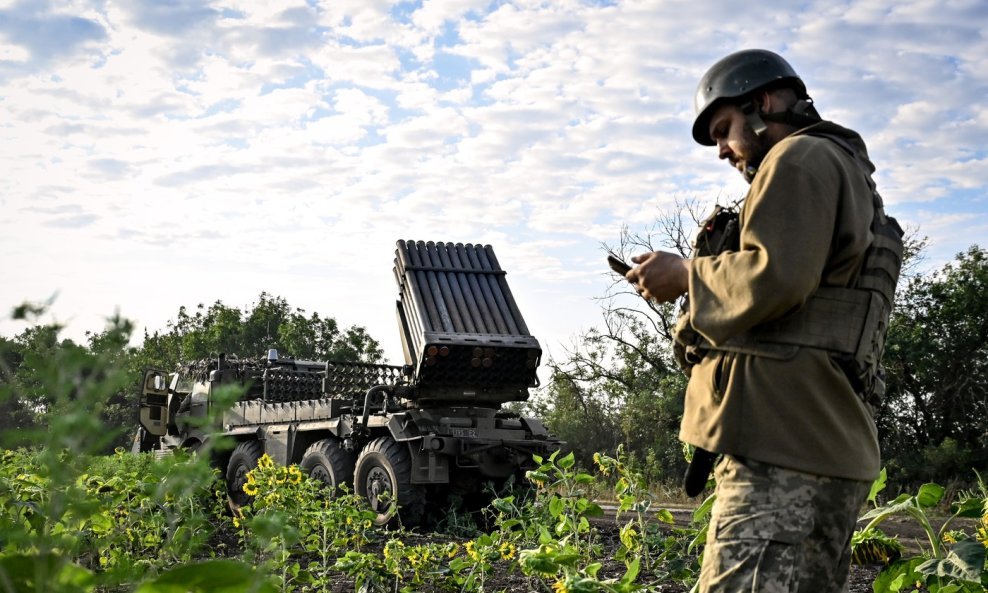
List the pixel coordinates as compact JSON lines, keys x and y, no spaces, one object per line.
{"x":461,"y":317}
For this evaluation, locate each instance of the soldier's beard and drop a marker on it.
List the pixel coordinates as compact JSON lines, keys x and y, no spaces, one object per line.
{"x":752,"y":151}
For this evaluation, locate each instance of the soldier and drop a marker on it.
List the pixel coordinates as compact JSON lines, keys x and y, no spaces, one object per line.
{"x":783,"y":332}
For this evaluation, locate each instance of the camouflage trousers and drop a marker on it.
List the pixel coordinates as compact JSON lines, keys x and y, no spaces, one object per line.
{"x":778,"y":530}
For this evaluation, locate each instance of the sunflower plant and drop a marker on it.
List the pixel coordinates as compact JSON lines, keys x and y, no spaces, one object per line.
{"x":279,"y":517}
{"x":291,"y":513}
{"x":955,"y":561}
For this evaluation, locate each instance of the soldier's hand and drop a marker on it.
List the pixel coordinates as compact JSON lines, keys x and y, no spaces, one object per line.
{"x":660,"y":276}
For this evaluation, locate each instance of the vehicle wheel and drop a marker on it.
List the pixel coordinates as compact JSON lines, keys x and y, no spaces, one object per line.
{"x":242,"y":460}
{"x":384,"y":475}
{"x":326,"y":461}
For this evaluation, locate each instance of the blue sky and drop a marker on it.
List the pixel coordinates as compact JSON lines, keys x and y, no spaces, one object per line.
{"x":159,"y":154}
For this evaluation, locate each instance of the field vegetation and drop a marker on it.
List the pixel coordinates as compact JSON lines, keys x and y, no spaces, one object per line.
{"x":78,"y":512}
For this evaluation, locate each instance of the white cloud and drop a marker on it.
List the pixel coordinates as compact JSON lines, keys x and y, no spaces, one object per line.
{"x":266,"y":12}
{"x":364,"y":21}
{"x":13,"y":53}
{"x":359,"y":106}
{"x":373,"y":66}
{"x":434,"y":13}
{"x":201,"y":138}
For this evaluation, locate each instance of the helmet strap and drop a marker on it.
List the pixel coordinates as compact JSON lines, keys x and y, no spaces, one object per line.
{"x":800,"y":115}
{"x":753,"y":117}
{"x":751,"y":114}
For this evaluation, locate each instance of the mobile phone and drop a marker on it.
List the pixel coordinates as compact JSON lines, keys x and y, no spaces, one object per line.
{"x":617,"y":264}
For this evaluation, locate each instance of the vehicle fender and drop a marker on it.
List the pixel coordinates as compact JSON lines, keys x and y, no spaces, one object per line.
{"x":404,"y":428}
{"x":428,"y":467}
{"x":535,"y":427}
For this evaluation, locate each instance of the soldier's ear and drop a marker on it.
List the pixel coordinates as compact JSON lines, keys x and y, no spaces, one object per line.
{"x":765,"y":101}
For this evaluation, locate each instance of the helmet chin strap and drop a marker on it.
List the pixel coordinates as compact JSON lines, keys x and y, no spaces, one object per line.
{"x":749,"y":173}
{"x":754,"y":119}
{"x":800,"y":115}
{"x":753,"y":116}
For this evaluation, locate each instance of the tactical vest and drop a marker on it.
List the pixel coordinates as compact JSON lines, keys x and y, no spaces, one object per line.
{"x":851,"y":323}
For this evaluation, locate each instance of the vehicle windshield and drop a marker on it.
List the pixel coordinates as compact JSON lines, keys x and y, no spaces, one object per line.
{"x":182,"y":383}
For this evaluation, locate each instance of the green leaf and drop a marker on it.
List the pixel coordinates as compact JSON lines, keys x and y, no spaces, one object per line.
{"x":665,"y":516}
{"x":539,"y":564}
{"x":626,"y":502}
{"x":555,"y":506}
{"x":898,"y":576}
{"x":877,"y":486}
{"x":627,"y":535}
{"x":964,"y":562}
{"x":44,"y":572}
{"x":901,"y":504}
{"x":213,"y":576}
{"x":929,"y":495}
{"x":899,"y":582}
{"x":584,"y":525}
{"x":101,"y":523}
{"x":970,"y":508}
{"x":701,"y":512}
{"x":570,"y":559}
{"x":538,"y":476}
{"x":567,"y":462}
{"x":504,"y":505}
{"x":583,"y":585}
{"x":544,"y":536}
{"x":632,"y":573}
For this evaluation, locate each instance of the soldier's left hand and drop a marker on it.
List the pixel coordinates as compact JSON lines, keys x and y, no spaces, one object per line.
{"x":660,"y":276}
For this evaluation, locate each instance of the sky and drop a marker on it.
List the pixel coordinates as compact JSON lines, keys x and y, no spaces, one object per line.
{"x":166,"y":153}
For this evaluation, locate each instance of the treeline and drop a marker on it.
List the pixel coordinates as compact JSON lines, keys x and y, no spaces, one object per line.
{"x":28,"y":387}
{"x":618,"y":384}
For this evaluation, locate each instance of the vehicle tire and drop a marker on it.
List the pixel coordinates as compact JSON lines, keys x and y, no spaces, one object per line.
{"x":326,"y":461}
{"x":243,"y":459}
{"x":384,"y":474}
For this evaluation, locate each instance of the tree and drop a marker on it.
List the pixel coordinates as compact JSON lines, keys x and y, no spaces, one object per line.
{"x":933,"y":423}
{"x":584,"y":419}
{"x":28,"y":354}
{"x":111,"y":347}
{"x":38,"y":369}
{"x":42,"y":375}
{"x":270,"y":323}
{"x":619,"y":384}
{"x":15,"y":413}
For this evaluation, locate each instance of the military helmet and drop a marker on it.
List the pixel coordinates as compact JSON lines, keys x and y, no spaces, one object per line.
{"x":734,"y":77}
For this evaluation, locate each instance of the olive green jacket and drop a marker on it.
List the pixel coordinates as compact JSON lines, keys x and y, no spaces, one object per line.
{"x":805,"y":223}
